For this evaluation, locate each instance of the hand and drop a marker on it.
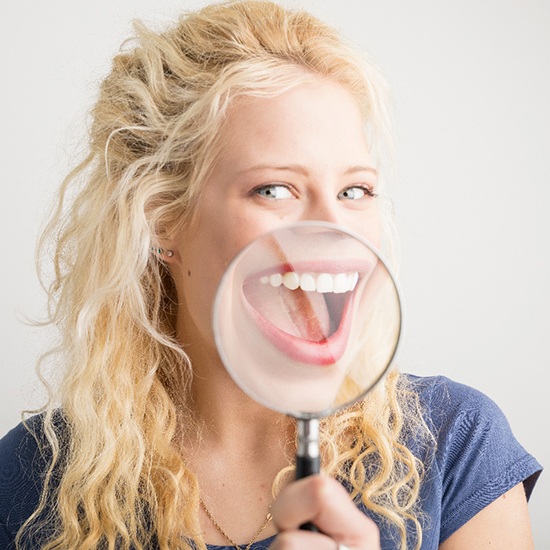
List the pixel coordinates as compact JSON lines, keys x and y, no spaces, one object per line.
{"x":324,"y":502}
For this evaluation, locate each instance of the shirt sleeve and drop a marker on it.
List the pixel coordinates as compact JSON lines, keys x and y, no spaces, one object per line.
{"x":6,"y":539}
{"x":21,"y":467}
{"x":478,"y":456}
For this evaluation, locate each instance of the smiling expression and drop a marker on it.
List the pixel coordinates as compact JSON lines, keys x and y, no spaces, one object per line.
{"x":302,"y":155}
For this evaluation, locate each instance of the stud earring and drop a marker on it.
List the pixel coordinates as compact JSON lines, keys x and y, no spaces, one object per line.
{"x":161,"y":251}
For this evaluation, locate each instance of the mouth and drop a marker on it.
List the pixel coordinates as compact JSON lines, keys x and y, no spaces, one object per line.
{"x":305,"y":311}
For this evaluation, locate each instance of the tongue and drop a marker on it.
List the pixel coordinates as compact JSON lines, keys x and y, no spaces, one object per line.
{"x":296,"y":312}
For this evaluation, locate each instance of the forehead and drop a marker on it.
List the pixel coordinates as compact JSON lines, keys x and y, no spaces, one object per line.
{"x":316,"y":115}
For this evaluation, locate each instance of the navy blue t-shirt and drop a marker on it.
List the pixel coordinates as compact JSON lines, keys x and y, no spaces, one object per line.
{"x":476,"y":460}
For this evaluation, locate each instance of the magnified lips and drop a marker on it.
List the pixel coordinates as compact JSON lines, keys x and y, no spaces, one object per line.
{"x":303,"y":311}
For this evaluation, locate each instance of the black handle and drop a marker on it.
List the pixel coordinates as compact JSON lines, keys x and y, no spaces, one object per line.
{"x":307,"y":466}
{"x":308,"y":461}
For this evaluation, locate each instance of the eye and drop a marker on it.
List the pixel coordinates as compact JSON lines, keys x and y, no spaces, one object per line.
{"x":356,"y":192}
{"x":274,"y":191}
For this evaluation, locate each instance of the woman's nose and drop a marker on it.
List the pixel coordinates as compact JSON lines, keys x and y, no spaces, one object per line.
{"x":322,"y":209}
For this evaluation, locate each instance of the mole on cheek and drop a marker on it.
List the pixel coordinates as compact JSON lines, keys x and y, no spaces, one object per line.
{"x":189,"y":273}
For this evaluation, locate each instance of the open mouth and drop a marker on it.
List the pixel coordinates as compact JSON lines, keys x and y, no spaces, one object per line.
{"x":305,"y":311}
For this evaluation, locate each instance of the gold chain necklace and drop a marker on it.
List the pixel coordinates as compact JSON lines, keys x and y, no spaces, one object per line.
{"x":233,"y":543}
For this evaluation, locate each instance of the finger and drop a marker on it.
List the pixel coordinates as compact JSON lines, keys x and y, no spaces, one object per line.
{"x":323,"y":501}
{"x":300,"y":540}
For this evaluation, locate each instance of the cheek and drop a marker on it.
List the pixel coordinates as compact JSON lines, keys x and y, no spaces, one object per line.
{"x":208,"y":249}
{"x":369,"y":225}
{"x":374,"y":232}
{"x":203,"y":264}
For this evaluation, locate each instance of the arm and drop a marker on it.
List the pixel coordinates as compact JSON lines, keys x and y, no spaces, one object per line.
{"x":502,"y":525}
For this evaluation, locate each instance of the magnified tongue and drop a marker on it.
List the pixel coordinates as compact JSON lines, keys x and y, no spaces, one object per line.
{"x":297,"y":312}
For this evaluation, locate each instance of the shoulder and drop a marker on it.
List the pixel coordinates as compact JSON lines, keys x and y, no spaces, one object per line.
{"x":455,"y":412}
{"x":476,"y":458}
{"x":467,"y":424}
{"x":24,"y":459}
{"x":439,"y":394}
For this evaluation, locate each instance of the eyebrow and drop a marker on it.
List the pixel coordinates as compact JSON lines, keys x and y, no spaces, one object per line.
{"x":360,"y":168}
{"x":302,"y":170}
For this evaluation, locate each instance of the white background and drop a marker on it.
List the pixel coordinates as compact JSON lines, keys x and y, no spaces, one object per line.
{"x":471,"y":83}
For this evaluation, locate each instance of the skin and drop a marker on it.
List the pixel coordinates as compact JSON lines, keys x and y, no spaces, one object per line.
{"x":294,"y":148}
{"x":502,"y":525}
{"x":299,"y":156}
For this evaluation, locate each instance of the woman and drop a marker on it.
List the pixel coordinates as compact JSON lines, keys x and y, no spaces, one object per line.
{"x":241,"y":119}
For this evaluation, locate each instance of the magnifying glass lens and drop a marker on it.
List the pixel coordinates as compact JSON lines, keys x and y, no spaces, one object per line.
{"x":307,"y":319}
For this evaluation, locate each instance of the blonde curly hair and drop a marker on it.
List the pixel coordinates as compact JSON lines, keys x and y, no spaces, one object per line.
{"x":153,"y":139}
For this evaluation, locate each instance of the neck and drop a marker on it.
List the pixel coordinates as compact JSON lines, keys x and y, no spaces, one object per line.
{"x":229,"y":418}
{"x":224,"y":418}
{"x":235,"y":447}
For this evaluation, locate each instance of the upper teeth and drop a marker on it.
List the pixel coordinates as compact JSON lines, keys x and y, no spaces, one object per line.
{"x":320,"y":282}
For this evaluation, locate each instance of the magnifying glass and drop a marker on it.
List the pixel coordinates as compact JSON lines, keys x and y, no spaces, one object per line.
{"x":307,"y":319}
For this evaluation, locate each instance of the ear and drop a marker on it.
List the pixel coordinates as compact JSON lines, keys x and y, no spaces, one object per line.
{"x":165,"y":243}
{"x":165,"y":251}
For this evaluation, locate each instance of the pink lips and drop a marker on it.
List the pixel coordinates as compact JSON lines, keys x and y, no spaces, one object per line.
{"x":322,"y":351}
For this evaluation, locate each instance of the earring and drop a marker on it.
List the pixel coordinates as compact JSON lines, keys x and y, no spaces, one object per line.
{"x":161,"y":251}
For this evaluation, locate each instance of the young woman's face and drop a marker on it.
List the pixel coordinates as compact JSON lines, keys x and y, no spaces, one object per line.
{"x":299,"y":156}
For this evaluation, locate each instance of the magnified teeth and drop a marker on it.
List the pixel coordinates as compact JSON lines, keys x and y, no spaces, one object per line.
{"x":314,"y":282}
{"x":307,"y":282}
{"x":340,"y":283}
{"x":276,"y":279}
{"x":324,"y":282}
{"x":291,"y":280}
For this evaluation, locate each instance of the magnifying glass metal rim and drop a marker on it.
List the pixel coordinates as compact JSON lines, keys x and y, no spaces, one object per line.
{"x":217,"y":329}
